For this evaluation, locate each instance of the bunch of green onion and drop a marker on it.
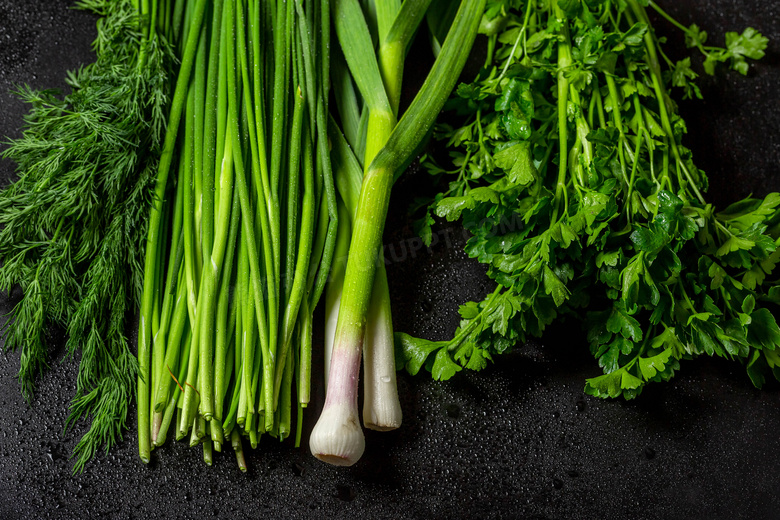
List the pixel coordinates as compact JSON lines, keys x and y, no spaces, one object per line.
{"x":359,"y":321}
{"x":241,"y":235}
{"x":246,"y":219}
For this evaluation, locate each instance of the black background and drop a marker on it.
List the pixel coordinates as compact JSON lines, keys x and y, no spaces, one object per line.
{"x":519,"y":440}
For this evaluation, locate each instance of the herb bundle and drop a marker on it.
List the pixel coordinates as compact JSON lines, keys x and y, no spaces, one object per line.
{"x":241,"y":238}
{"x":74,"y":223}
{"x":240,"y":244}
{"x":570,"y":172}
{"x":359,"y":321}
{"x":229,"y":193}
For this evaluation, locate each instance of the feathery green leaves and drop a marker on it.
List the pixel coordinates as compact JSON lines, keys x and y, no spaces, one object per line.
{"x":74,"y":223}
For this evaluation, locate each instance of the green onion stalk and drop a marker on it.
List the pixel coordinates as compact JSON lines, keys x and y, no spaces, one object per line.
{"x":379,"y":80}
{"x":337,"y":437}
{"x":154,"y":239}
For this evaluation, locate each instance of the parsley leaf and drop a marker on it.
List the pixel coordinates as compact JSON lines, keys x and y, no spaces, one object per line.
{"x":580,"y":197}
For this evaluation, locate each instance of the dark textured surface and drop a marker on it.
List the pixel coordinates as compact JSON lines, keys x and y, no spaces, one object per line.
{"x":517,"y":440}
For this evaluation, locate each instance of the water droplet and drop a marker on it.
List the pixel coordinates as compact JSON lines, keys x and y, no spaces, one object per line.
{"x":453,"y":410}
{"x":346,"y":493}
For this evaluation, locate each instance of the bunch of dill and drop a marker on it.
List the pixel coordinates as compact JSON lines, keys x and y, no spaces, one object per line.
{"x":74,"y":223}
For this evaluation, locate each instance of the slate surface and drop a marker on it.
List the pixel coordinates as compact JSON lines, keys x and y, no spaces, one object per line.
{"x":518,"y":440}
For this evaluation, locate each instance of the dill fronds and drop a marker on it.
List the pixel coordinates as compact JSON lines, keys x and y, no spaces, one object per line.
{"x":73,"y":226}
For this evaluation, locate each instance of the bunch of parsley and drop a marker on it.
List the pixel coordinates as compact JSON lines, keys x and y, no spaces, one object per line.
{"x":568,"y":169}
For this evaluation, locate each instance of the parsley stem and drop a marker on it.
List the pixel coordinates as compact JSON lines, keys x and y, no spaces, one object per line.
{"x":614,"y":97}
{"x":655,"y":72}
{"x":520,"y":36}
{"x":491,"y":49}
{"x":668,"y":18}
{"x":592,"y":109}
{"x":687,"y":31}
{"x":600,"y":108}
{"x":477,"y":320}
{"x":564,"y":63}
{"x":629,"y":207}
